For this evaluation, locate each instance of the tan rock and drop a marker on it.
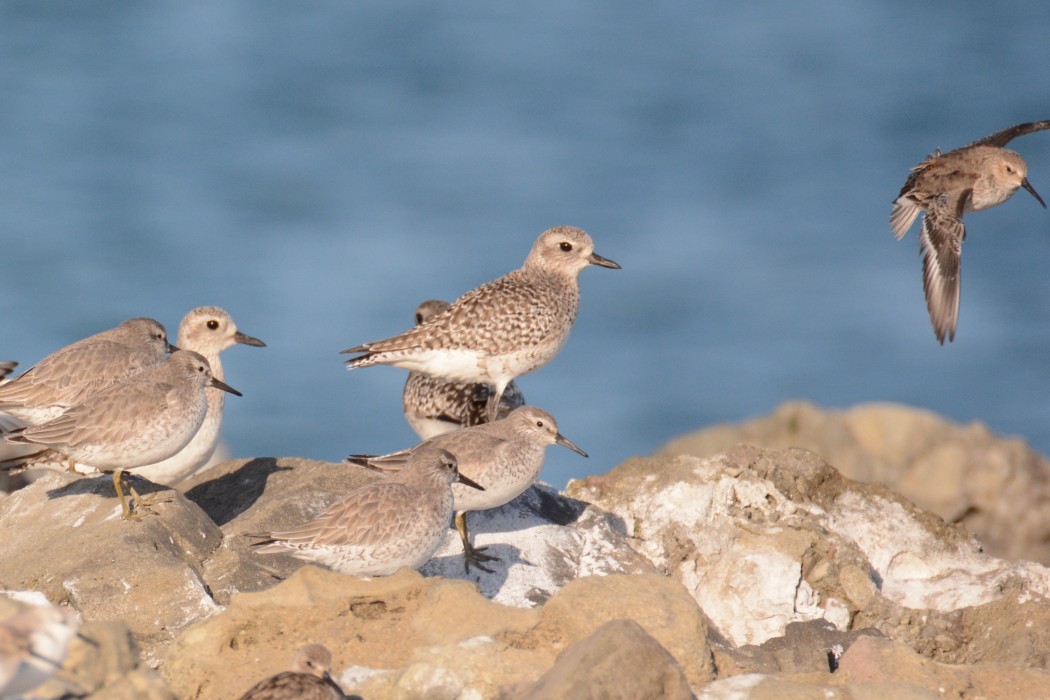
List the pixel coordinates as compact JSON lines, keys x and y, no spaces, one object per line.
{"x":997,"y":487}
{"x":619,"y":660}
{"x":661,"y":606}
{"x":145,"y":572}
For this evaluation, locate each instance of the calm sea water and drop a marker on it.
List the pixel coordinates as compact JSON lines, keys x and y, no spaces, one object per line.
{"x":320,"y":168}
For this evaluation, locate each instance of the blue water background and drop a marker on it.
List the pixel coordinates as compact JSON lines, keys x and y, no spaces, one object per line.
{"x":319,"y":168}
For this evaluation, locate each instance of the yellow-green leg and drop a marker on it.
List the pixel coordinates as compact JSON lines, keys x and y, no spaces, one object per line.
{"x":471,"y":555}
{"x":125,"y":510}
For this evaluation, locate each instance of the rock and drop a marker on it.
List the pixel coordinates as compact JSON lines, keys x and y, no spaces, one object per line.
{"x":996,"y":487}
{"x":763,"y":538}
{"x":619,"y":660}
{"x":544,"y":540}
{"x":661,"y":606}
{"x":145,"y":572}
{"x":410,"y":636}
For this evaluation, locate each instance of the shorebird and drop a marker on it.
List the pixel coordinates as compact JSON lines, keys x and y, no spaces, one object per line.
{"x":68,"y":376}
{"x":945,"y":186}
{"x":506,"y":456}
{"x":33,"y":646}
{"x":383,"y":526}
{"x":504,"y":328}
{"x":207,"y":330}
{"x":142,"y":420}
{"x":309,"y":679}
{"x":434,"y":406}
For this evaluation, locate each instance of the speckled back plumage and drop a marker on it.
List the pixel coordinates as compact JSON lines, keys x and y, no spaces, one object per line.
{"x":68,"y":376}
{"x":309,"y":679}
{"x":434,"y":405}
{"x":504,"y":328}
{"x":383,"y":526}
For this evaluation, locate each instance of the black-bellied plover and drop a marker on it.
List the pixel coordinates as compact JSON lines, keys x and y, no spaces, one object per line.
{"x":505,"y":456}
{"x":142,"y":420}
{"x":68,"y":376}
{"x":502,"y":329}
{"x":309,"y":679}
{"x":945,"y":186}
{"x":383,"y":526}
{"x":207,"y":330}
{"x":33,"y":646}
{"x":434,"y":406}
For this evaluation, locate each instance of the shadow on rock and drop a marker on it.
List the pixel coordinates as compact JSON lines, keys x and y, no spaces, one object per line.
{"x":227,"y":496}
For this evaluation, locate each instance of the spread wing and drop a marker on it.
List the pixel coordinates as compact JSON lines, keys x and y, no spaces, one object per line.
{"x":940,"y":243}
{"x":1001,"y":138}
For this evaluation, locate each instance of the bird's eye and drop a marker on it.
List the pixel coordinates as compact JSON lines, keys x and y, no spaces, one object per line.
{"x":539,"y":424}
{"x":213,"y":324}
{"x":1009,"y":169}
{"x":566,"y":246}
{"x":419,"y":319}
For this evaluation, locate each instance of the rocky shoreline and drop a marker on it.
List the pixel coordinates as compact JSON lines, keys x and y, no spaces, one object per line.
{"x":772,"y":559}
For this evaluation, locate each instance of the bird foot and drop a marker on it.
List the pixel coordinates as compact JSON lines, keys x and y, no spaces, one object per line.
{"x":473,"y":556}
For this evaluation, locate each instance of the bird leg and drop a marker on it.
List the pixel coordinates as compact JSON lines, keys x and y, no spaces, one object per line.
{"x":471,"y":555}
{"x":492,"y":405}
{"x":141,"y":504}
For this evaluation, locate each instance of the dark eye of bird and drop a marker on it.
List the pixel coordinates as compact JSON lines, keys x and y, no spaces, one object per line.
{"x":213,"y":324}
{"x":566,"y":246}
{"x":539,"y":424}
{"x":419,"y":319}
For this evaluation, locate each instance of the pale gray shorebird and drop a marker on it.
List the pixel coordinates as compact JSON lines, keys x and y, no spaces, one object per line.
{"x":33,"y":645}
{"x":207,"y":330}
{"x":383,"y":526}
{"x":309,"y":679}
{"x":434,"y":406}
{"x":503,"y":329}
{"x":142,"y":420}
{"x":505,"y":456}
{"x":68,"y":376}
{"x":946,"y":186}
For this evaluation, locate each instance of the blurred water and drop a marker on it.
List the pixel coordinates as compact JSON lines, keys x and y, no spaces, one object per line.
{"x":319,"y":168}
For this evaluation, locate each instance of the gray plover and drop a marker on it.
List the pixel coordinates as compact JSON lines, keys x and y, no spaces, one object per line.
{"x":945,"y":186}
{"x":504,"y":328}
{"x":383,"y":526}
{"x":142,"y":420}
{"x":33,"y":645}
{"x":207,"y":330}
{"x":68,"y":376}
{"x":506,"y":456}
{"x":309,"y":679}
{"x":434,"y":406}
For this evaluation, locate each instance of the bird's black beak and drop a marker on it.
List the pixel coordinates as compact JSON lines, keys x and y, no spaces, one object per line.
{"x":224,"y":386}
{"x":1028,"y":186}
{"x":248,"y":340}
{"x":596,"y":259}
{"x":471,"y":483}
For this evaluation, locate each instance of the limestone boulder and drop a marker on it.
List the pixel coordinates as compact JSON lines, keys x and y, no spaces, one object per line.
{"x":764,"y":538}
{"x":997,"y":487}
